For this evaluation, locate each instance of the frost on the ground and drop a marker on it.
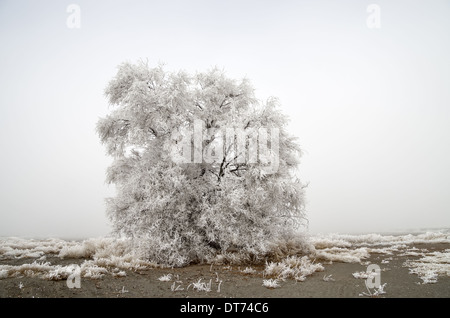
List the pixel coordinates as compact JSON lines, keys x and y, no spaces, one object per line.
{"x":345,"y":255}
{"x":165,"y":278}
{"x":412,"y":253}
{"x":376,"y":292}
{"x":52,"y":272}
{"x":90,"y":270}
{"x":271,"y":283}
{"x":108,"y":253}
{"x":372,"y":240}
{"x":356,"y":248}
{"x":123,"y":290}
{"x":201,"y":286}
{"x":275,"y":251}
{"x":102,"y":256}
{"x":174,"y":287}
{"x":248,"y":270}
{"x":364,"y":275}
{"x":430,"y":266}
{"x":294,"y":267}
{"x":17,"y":248}
{"x":118,"y":273}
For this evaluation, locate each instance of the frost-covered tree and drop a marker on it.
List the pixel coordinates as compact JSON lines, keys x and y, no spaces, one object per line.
{"x":201,"y":166}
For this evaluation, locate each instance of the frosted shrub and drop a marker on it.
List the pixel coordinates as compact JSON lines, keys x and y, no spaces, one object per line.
{"x":200,"y":165}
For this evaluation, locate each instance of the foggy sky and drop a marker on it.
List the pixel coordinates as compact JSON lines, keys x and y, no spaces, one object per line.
{"x":371,"y":107}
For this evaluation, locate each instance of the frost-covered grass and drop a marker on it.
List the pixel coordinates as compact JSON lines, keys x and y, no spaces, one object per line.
{"x":276,"y":250}
{"x":101,"y":256}
{"x":430,"y":266}
{"x":355,"y":248}
{"x":345,"y":255}
{"x":376,"y":292}
{"x":51,"y":272}
{"x":285,"y":259}
{"x":174,"y":287}
{"x":165,"y":278}
{"x":271,"y":283}
{"x":292,"y":267}
{"x":364,"y":275}
{"x":17,"y":248}
{"x":201,"y":286}
{"x":369,"y":240}
{"x":248,"y":270}
{"x":118,"y":273}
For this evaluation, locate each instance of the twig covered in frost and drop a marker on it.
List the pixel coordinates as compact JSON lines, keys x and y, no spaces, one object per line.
{"x":377,"y":292}
{"x":248,"y":270}
{"x":292,"y":267}
{"x":174,"y":287}
{"x":123,"y":291}
{"x":271,"y":283}
{"x":165,"y":278}
{"x":118,"y":273}
{"x":202,"y":286}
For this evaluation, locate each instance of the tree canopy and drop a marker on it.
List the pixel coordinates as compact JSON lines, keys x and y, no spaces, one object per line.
{"x":201,"y":166}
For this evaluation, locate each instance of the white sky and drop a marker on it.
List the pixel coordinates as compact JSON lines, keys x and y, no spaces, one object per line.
{"x":371,"y":107}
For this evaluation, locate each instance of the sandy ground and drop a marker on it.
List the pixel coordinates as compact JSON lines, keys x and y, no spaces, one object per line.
{"x":229,"y":281}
